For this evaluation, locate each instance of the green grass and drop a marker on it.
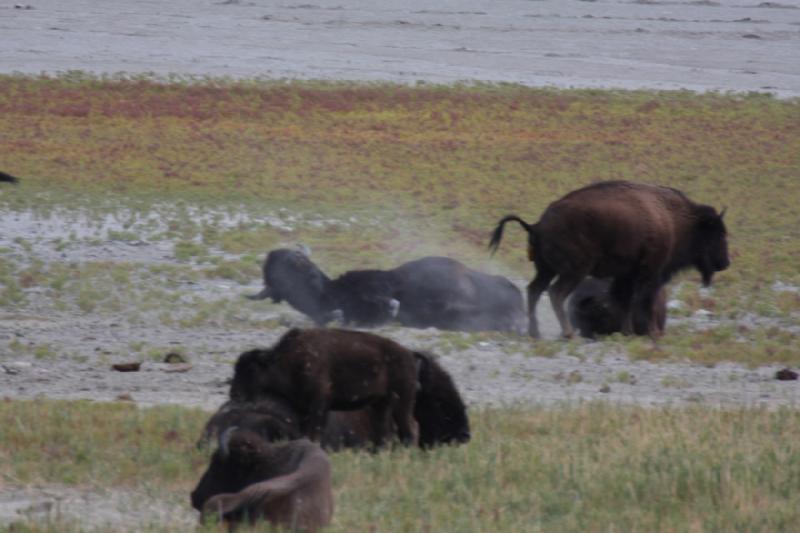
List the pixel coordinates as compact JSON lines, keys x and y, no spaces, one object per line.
{"x":587,"y":468}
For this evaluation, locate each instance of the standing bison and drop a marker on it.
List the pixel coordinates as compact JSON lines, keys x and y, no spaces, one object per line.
{"x":429,"y":292}
{"x":593,"y":311}
{"x":318,"y":370}
{"x":438,"y":409}
{"x":637,"y":234}
{"x":250,"y":479}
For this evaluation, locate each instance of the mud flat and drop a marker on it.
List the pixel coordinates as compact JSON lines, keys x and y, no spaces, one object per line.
{"x":726,"y":45}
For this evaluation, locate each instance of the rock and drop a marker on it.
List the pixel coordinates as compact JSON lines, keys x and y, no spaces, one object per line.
{"x":605,"y":388}
{"x":185,"y":367}
{"x":174,"y":358}
{"x":125,"y":397}
{"x":127,"y":367}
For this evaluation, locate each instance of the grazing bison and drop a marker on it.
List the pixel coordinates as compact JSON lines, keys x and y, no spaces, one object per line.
{"x":250,"y":479}
{"x":291,"y":275}
{"x":8,"y":178}
{"x":318,"y":370}
{"x":637,"y":234}
{"x":438,"y":410}
{"x":429,"y":292}
{"x":593,"y":311}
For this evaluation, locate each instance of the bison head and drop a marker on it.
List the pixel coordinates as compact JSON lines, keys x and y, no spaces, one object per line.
{"x":710,"y":247}
{"x":291,"y":275}
{"x":232,"y":466}
{"x":270,"y":417}
{"x":439,"y":409}
{"x":249,"y":375}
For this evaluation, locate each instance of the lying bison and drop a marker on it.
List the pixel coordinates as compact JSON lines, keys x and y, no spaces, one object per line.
{"x":8,"y":178}
{"x":637,"y":234}
{"x":250,"y":479}
{"x":439,"y":411}
{"x":593,"y":311}
{"x":429,"y":292}
{"x":318,"y":370}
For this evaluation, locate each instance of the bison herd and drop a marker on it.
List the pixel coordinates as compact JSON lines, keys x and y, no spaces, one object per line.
{"x":606,"y":251}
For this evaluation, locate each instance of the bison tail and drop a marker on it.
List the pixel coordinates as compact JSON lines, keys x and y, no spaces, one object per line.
{"x":497,"y":235}
{"x":8,"y":178}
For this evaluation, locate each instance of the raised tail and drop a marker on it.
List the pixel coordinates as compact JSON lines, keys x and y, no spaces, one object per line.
{"x":497,"y":235}
{"x":8,"y":178}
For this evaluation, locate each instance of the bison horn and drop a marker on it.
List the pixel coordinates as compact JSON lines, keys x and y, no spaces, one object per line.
{"x":394,"y":307}
{"x":722,"y":213}
{"x":224,"y":440}
{"x":305,"y":250}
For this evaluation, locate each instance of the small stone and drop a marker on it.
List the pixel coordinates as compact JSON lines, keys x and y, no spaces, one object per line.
{"x":127,"y":367}
{"x":605,"y":388}
{"x":174,"y":358}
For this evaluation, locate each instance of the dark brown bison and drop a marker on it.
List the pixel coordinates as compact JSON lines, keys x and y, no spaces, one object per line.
{"x":318,"y":370}
{"x":250,"y":479}
{"x":439,"y":411}
{"x":8,"y":178}
{"x":593,"y":311}
{"x":429,"y":292}
{"x":637,"y":234}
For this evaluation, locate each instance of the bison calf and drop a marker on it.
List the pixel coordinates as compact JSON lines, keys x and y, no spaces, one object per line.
{"x":594,"y":311}
{"x":318,"y":370}
{"x":249,"y":479}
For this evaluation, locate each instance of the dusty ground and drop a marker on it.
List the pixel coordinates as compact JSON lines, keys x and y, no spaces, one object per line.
{"x":738,"y":45}
{"x":495,"y":371}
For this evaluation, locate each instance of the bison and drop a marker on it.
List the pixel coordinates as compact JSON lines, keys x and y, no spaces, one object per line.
{"x":429,"y":292}
{"x":439,"y":411}
{"x":592,"y":310}
{"x":250,"y":479}
{"x":8,"y":178}
{"x":318,"y":370}
{"x":638,"y":234}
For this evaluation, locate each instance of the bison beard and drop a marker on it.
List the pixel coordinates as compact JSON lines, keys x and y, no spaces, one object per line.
{"x":637,"y":234}
{"x":249,"y":479}
{"x":318,"y":370}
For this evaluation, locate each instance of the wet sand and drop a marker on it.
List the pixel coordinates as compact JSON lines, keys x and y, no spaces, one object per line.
{"x":727,"y":45}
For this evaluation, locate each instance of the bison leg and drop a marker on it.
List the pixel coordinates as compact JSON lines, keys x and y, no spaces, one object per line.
{"x":535,"y":289}
{"x":403,"y":414}
{"x":316,"y":415}
{"x":644,"y":302}
{"x":559,"y":292}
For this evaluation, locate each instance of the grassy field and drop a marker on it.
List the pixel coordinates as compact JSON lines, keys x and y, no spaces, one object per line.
{"x":587,"y":468}
{"x":395,"y":173}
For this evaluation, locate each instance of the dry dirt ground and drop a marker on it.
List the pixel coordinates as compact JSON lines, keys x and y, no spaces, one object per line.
{"x":726,"y":45}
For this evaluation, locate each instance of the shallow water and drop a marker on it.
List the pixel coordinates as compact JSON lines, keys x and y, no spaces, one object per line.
{"x":727,"y":45}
